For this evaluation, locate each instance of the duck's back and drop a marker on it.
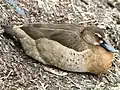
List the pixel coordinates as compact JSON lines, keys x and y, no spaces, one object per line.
{"x":68,"y":35}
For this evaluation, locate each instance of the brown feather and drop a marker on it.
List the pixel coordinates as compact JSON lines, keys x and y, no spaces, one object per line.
{"x":62,"y":33}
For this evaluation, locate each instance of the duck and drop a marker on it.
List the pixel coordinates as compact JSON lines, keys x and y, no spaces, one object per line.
{"x":70,"y":47}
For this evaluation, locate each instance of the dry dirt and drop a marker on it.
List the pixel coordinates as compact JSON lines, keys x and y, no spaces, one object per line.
{"x":20,"y":72}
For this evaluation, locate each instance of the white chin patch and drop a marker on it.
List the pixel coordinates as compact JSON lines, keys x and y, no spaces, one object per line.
{"x":101,"y":41}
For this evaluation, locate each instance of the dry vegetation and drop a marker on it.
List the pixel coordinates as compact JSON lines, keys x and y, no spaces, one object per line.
{"x":20,"y":72}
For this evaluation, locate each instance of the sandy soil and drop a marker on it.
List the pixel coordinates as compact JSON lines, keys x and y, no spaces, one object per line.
{"x":20,"y":72}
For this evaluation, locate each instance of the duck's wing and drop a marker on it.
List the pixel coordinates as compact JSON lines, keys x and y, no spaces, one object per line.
{"x":55,"y":26}
{"x":65,"y":35}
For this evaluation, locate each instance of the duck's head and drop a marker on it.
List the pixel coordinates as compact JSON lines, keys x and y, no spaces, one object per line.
{"x":95,"y":36}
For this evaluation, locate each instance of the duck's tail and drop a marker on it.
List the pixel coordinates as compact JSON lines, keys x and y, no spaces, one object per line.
{"x":8,"y":30}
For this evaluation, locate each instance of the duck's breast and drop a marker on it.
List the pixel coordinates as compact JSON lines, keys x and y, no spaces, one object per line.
{"x":100,"y":61}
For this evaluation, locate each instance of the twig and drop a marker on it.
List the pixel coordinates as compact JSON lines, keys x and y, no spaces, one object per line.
{"x":7,"y":75}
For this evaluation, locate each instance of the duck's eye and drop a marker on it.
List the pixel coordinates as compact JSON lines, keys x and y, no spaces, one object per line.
{"x":98,"y":35}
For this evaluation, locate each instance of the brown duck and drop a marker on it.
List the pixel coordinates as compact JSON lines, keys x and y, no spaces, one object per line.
{"x":66,"y":46}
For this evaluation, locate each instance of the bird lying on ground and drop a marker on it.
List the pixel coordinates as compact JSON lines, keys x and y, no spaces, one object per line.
{"x":67,"y":46}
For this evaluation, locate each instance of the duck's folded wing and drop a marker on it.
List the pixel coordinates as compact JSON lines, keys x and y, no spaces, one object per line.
{"x":55,"y":26}
{"x":67,"y":38}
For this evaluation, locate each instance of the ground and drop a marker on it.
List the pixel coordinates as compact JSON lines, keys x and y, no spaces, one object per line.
{"x":20,"y":72}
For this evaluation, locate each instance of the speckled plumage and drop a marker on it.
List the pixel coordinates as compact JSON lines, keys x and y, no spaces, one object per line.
{"x":66,"y":46}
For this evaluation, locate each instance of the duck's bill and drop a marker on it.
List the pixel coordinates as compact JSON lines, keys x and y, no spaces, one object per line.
{"x":108,"y":47}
